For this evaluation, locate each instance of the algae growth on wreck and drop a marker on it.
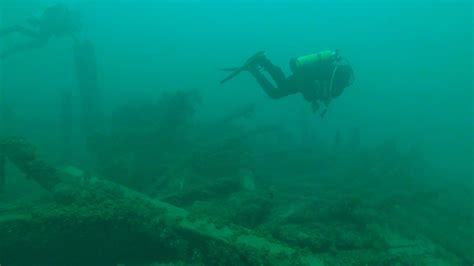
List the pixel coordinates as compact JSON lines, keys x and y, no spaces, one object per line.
{"x":119,"y":145}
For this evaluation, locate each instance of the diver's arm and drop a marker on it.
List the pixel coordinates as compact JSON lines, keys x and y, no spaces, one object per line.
{"x":321,"y":95}
{"x":326,"y":101}
{"x":315,"y":106}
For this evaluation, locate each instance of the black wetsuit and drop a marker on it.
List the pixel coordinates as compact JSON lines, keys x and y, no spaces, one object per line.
{"x":304,"y":81}
{"x":56,"y":20}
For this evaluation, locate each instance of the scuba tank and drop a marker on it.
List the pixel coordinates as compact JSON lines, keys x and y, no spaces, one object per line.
{"x":312,"y":60}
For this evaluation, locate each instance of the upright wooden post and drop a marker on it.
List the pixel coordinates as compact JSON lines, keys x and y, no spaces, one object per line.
{"x":3,"y":123}
{"x":66,"y":125}
{"x":86,"y":70}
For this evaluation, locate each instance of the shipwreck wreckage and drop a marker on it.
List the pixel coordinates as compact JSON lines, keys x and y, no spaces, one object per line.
{"x":100,"y":222}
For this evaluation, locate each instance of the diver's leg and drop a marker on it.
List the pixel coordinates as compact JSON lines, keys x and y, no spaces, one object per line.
{"x":275,"y":72}
{"x":8,"y":31}
{"x":28,"y":32}
{"x":35,"y":44}
{"x":19,"y":29}
{"x":272,"y":91}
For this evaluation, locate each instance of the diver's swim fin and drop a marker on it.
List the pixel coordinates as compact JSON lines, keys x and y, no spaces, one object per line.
{"x":245,"y":66}
{"x":232,"y":75}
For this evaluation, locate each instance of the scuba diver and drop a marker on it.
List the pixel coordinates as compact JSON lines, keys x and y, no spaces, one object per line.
{"x":55,"y":21}
{"x":319,"y":77}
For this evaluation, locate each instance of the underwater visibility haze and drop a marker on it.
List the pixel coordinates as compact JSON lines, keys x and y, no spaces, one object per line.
{"x":236,"y":132}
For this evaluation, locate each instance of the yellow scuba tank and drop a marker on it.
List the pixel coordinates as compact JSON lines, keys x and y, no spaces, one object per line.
{"x":313,"y":59}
